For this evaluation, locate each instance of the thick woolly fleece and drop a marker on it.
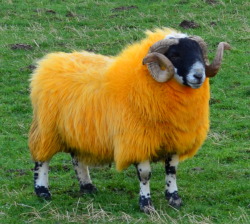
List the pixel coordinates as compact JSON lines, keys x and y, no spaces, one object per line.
{"x":106,"y":109}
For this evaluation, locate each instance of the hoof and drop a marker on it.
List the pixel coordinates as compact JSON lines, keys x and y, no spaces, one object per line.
{"x":176,"y":203}
{"x":147,"y":209}
{"x":174,"y":200}
{"x":146,"y":205}
{"x":88,"y":189}
{"x":43,"y":192}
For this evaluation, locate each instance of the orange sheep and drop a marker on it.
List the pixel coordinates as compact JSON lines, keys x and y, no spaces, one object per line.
{"x":103,"y":109}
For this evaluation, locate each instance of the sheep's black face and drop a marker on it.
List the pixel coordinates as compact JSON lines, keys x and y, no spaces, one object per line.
{"x":187,"y":59}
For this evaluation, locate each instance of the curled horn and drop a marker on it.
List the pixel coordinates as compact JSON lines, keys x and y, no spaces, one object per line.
{"x":213,"y":68}
{"x":157,"y":61}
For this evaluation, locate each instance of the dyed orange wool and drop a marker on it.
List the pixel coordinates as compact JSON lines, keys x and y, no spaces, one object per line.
{"x":108,"y":109}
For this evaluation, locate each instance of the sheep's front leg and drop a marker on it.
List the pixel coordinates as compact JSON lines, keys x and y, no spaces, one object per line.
{"x":82,"y":173}
{"x":171,"y":192}
{"x":144,"y":174}
{"x":41,"y":181}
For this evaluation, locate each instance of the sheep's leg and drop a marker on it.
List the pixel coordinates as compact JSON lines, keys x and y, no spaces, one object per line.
{"x":144,"y":174}
{"x":41,"y":179}
{"x":171,"y":192}
{"x":82,"y":173}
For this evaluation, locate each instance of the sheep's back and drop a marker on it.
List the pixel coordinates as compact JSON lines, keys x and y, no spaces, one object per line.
{"x":66,"y":93}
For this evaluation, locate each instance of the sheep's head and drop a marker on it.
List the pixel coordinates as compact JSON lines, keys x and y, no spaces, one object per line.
{"x":184,"y":58}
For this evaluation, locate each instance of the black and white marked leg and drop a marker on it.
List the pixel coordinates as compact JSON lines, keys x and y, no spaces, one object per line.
{"x":82,"y":173}
{"x":171,"y":192}
{"x":41,"y":179}
{"x":144,"y":174}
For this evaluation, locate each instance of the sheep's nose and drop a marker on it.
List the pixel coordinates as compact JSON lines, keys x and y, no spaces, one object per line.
{"x":198,"y":76}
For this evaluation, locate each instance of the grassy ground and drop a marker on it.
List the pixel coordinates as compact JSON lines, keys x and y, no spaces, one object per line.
{"x":214,"y":185}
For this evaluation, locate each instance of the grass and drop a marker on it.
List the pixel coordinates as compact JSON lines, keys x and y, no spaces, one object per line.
{"x":214,"y":185}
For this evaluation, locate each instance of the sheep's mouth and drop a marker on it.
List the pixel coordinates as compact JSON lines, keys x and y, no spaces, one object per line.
{"x":195,"y":85}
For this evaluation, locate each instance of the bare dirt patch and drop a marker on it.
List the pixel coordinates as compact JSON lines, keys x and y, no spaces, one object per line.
{"x":214,"y":101}
{"x":21,"y":46}
{"x":29,"y":68}
{"x":186,"y":24}
{"x":50,"y":11}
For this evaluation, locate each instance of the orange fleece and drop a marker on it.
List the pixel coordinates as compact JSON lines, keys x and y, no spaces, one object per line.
{"x":108,"y":109}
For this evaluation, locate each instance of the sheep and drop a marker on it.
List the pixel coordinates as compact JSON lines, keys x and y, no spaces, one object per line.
{"x":149,"y":103}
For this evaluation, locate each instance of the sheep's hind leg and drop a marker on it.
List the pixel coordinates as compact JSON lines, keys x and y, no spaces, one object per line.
{"x":171,"y":192}
{"x":144,"y":174}
{"x":82,"y":173}
{"x":41,"y":179}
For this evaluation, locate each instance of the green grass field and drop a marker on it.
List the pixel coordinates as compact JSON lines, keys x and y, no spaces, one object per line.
{"x":214,"y":185}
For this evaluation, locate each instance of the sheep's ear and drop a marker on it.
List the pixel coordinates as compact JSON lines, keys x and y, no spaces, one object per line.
{"x":156,"y":62}
{"x":213,"y":68}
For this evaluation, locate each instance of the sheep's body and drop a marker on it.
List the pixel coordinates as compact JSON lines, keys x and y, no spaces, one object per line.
{"x":103,"y":111}
{"x":149,"y":103}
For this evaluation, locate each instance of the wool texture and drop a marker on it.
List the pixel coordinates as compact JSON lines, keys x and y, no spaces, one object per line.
{"x":107,"y":109}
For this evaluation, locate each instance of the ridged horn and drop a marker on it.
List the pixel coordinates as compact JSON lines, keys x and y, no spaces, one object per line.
{"x":156,"y":60}
{"x":213,"y":68}
{"x":162,"y":46}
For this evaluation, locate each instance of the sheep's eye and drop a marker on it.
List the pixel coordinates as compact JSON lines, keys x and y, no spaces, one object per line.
{"x":175,"y":56}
